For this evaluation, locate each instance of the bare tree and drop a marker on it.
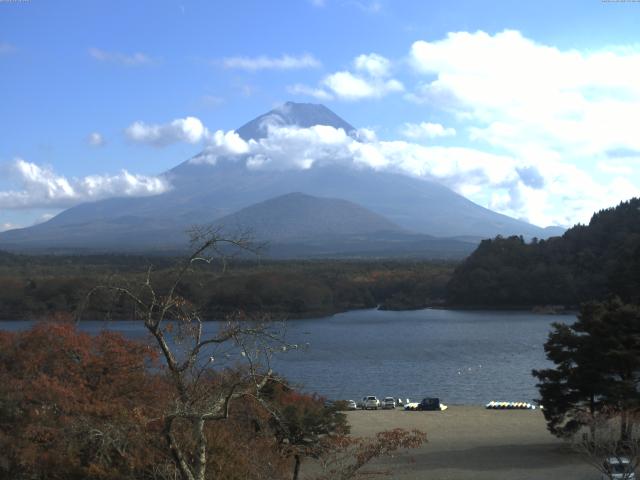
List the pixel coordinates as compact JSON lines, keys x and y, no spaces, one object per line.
{"x":209,"y":366}
{"x":601,"y":442}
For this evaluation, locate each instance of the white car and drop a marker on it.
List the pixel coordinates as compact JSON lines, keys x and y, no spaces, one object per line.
{"x":351,"y":405}
{"x":370,"y":403}
{"x":618,"y":468}
{"x":389,"y":402}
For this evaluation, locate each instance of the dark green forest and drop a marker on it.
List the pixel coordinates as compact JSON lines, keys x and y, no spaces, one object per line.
{"x":33,"y":287}
{"x":589,"y":262}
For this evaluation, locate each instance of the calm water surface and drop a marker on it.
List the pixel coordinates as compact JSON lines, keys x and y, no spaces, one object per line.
{"x":463,"y":357}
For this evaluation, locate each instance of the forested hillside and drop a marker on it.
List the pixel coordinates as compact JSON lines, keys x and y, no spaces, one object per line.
{"x":589,"y":262}
{"x":33,"y":287}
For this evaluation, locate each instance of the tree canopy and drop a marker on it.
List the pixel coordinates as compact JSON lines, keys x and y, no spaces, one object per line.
{"x":71,"y":405}
{"x":597,"y":367}
{"x":589,"y":262}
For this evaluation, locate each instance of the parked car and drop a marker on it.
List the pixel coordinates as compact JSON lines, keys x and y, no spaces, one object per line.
{"x":427,"y":404}
{"x":389,"y":403}
{"x":618,"y":468}
{"x":351,"y":405}
{"x":370,"y":403}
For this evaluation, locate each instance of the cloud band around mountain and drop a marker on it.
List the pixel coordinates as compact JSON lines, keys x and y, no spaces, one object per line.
{"x":503,"y":182}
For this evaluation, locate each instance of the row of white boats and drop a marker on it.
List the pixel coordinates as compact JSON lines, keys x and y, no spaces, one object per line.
{"x":372,"y":403}
{"x":510,"y":405}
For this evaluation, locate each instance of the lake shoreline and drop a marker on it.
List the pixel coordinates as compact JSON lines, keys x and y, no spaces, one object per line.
{"x":324,"y":314}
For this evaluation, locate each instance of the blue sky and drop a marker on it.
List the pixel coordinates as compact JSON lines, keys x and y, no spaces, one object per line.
{"x":528,"y":110}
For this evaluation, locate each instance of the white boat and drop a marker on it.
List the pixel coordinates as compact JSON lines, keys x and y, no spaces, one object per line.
{"x":493,"y":405}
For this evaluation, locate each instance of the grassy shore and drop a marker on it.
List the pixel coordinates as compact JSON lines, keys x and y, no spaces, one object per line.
{"x":475,"y":443}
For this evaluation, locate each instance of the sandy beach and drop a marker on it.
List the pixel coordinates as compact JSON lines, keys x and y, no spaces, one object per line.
{"x":475,"y":443}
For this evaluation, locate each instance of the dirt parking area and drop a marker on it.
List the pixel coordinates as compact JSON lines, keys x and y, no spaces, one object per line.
{"x":475,"y":443}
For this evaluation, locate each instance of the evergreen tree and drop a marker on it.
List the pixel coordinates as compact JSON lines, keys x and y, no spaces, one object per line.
{"x":597,"y":367}
{"x":589,"y":262}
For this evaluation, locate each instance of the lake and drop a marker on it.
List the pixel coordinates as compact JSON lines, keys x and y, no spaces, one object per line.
{"x":463,"y":357}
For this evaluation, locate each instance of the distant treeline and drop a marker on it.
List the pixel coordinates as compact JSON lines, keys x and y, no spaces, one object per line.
{"x":589,"y":262}
{"x":33,"y":287}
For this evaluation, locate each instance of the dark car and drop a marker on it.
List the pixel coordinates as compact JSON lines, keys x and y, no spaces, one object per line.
{"x":429,"y":404}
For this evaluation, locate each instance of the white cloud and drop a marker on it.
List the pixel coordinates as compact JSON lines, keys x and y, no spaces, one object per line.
{"x":222,"y":144}
{"x":420,"y":130}
{"x":371,"y":79}
{"x":364,"y":135}
{"x":569,"y":196}
{"x":230,"y":142}
{"x":299,"y":89}
{"x":564,"y":112}
{"x":616,"y":167}
{"x":6,"y":48}
{"x":349,"y":86}
{"x":133,"y":59}
{"x":42,"y":187}
{"x":189,"y":129}
{"x":518,"y":94}
{"x":96,"y":139}
{"x":373,"y":64}
{"x":293,"y":147}
{"x":284,"y":62}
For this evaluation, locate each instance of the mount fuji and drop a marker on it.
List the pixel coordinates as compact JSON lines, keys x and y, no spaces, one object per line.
{"x":324,"y":208}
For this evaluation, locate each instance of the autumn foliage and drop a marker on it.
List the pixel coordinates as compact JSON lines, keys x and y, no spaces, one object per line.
{"x":77,"y":406}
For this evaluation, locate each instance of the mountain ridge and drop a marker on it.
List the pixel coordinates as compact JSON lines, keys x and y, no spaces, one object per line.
{"x":204,"y":193}
{"x":298,"y":216}
{"x":302,"y":115}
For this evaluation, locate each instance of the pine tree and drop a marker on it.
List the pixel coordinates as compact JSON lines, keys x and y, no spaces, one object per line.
{"x":597,"y":367}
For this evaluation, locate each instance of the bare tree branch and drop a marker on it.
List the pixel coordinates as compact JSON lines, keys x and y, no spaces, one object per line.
{"x":204,"y":389}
